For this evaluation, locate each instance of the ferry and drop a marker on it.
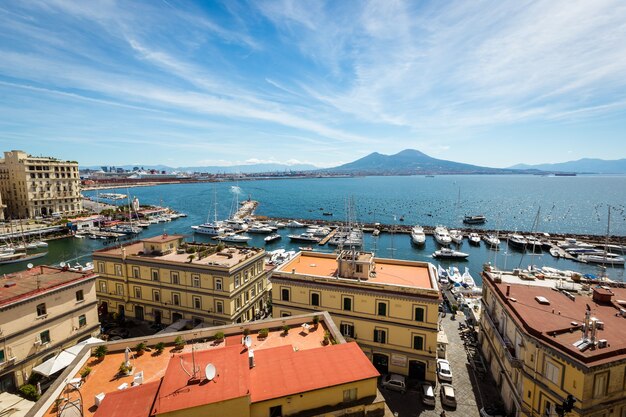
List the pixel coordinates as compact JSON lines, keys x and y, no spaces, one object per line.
{"x":478,"y":219}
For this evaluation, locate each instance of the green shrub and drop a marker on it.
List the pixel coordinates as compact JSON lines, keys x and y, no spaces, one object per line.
{"x":85,"y":372}
{"x":140,"y":348}
{"x":264,"y":333}
{"x":101,"y":352}
{"x":286,"y":328}
{"x":159,"y":347}
{"x":29,"y":392}
{"x":316,"y":320}
{"x":124,"y":369}
{"x":219,"y":336}
{"x":179,"y":342}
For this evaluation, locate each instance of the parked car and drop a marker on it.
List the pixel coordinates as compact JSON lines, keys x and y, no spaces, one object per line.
{"x":119,"y":331}
{"x":447,"y":395}
{"x":394,"y":382}
{"x":428,"y":394}
{"x":443,"y":370}
{"x":492,"y":411}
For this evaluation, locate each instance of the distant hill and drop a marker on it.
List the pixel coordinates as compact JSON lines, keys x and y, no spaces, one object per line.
{"x":585,"y":165}
{"x":243,"y":169}
{"x":410,"y":162}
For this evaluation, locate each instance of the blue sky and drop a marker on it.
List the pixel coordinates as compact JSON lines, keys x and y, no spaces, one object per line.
{"x":220,"y":83}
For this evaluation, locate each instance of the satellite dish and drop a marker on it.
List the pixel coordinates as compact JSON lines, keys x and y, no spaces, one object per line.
{"x":210,"y":371}
{"x":62,"y":265}
{"x":247,"y":341}
{"x":29,"y":266}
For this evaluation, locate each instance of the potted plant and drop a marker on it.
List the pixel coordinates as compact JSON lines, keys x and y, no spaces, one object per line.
{"x":316,"y":320}
{"x":140,"y":348}
{"x":159,"y":348}
{"x":179,"y":342}
{"x":219,"y":336}
{"x":285,"y":329}
{"x":246,"y":331}
{"x":85,"y":372}
{"x":263,"y":333}
{"x":326,"y":337}
{"x":125,"y":369}
{"x":29,"y":391}
{"x":100,"y":352}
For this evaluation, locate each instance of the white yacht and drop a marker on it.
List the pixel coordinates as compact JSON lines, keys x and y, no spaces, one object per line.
{"x":417,"y":235}
{"x":211,"y":229}
{"x":491,"y":240}
{"x":260,"y":228}
{"x":294,"y":224}
{"x":234,"y":238}
{"x":304,"y":237}
{"x":236,"y":224}
{"x":474,"y":239}
{"x":456,"y":236}
{"x":272,"y":238}
{"x":604,"y":258}
{"x":442,"y":236}
{"x":447,"y":253}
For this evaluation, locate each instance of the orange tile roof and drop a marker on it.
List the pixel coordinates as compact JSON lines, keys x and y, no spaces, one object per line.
{"x":281,"y":371}
{"x":231,"y":380}
{"x":162,"y":238}
{"x":131,"y":402}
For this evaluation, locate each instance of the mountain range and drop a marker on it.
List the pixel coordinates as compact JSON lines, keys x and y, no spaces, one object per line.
{"x":585,"y":165}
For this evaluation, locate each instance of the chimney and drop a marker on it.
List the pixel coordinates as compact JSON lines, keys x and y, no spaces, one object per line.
{"x":251,"y":358}
{"x":586,"y":325}
{"x":594,"y":330}
{"x":508,"y":290}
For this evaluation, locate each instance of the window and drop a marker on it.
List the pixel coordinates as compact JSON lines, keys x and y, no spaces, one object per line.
{"x":252,"y":291}
{"x":260,"y":286}
{"x":41,"y":310}
{"x":246,"y":297}
{"x":175,"y":299}
{"x":380,"y":336}
{"x":80,"y":296}
{"x":419,"y":314}
{"x":101,"y":267}
{"x":359,"y":268}
{"x":315,"y":299}
{"x":1,"y":355}
{"x":103,"y":287}
{"x":551,"y":372}
{"x":285,"y":314}
{"x":156,"y":296}
{"x":82,"y":320}
{"x":218,"y":284}
{"x":136,"y":272}
{"x":196,"y":281}
{"x":197,"y":303}
{"x":119,"y":288}
{"x":347,"y":303}
{"x":382,"y":308}
{"x":118,"y":270}
{"x":237,"y":281}
{"x":175,"y":279}
{"x":276,"y":411}
{"x":137,"y":292}
{"x":155,"y":275}
{"x":237,"y":303}
{"x":418,"y":343}
{"x":284,"y":294}
{"x":219,"y":307}
{"x":349,"y":395}
{"x":347,"y":329}
{"x":44,"y":336}
{"x":245,"y":276}
{"x":600,"y":382}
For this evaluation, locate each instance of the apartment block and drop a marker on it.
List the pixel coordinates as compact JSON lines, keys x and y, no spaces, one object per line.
{"x":164,"y":279}
{"x":389,"y":307}
{"x":33,"y":186}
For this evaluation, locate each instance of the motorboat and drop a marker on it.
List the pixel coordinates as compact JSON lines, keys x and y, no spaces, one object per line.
{"x":234,"y":238}
{"x":236,"y":224}
{"x":442,"y":236}
{"x":211,"y":229}
{"x":276,"y":224}
{"x":417,"y":235}
{"x":304,"y":237}
{"x":492,"y":241}
{"x":517,"y":241}
{"x":474,"y":239}
{"x":555,"y":252}
{"x":467,"y":280}
{"x":77,"y":267}
{"x":447,"y":253}
{"x":534,"y":244}
{"x":260,"y":229}
{"x":271,"y":238}
{"x":306,"y":248}
{"x":294,"y":224}
{"x":477,"y":219}
{"x":454,"y":274}
{"x":456,"y":236}
{"x":442,"y":274}
{"x":605,"y":259}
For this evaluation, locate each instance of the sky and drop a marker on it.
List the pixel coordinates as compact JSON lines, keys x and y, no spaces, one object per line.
{"x":183,"y":83}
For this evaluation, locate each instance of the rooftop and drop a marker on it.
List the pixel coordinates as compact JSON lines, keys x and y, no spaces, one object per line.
{"x":35,"y":281}
{"x":557,"y":318}
{"x":388,"y":271}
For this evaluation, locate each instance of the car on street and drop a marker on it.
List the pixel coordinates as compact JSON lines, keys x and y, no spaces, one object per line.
{"x":119,"y":331}
{"x":443,"y":370}
{"x":448,"y":397}
{"x":428,"y":394}
{"x":394,"y":382}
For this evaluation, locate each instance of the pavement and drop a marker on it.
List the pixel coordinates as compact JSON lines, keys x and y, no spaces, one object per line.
{"x":472,"y":388}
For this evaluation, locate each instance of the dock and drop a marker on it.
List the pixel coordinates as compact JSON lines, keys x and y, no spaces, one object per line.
{"x":328,"y":237}
{"x":247,"y":209}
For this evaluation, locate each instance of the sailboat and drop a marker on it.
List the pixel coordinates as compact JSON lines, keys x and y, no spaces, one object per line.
{"x":606,"y":257}
{"x":21,"y":252}
{"x":214,"y":228}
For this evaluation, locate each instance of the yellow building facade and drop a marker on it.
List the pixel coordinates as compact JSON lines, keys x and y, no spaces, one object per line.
{"x":389,"y":307}
{"x":39,"y":186}
{"x":42,"y":311}
{"x":163,"y":279}
{"x":544,"y":345}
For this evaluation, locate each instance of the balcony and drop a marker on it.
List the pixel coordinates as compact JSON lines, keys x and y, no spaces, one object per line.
{"x":507,"y":346}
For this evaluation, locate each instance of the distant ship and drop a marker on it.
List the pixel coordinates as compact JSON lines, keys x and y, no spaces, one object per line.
{"x":564,"y":174}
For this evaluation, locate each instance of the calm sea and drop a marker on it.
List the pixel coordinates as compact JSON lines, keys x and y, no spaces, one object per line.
{"x":547,"y":204}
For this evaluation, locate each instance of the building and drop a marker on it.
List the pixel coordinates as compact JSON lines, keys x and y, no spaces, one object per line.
{"x":164,"y":279}
{"x":254,"y":371}
{"x":546,"y":341}
{"x":42,"y":311}
{"x":390,"y":307}
{"x":39,"y":186}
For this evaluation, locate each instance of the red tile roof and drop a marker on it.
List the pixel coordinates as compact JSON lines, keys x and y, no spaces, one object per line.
{"x":131,"y":402}
{"x":162,"y":238}
{"x":281,"y":372}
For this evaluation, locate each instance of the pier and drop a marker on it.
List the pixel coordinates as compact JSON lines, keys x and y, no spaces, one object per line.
{"x":328,"y":237}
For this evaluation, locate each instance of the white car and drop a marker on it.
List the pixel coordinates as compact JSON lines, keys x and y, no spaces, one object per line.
{"x":443,"y":370}
{"x":428,"y":394}
{"x":394,"y":382}
{"x":447,"y":395}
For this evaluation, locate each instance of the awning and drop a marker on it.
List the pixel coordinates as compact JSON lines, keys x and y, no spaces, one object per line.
{"x":75,"y":350}
{"x":54,"y":365}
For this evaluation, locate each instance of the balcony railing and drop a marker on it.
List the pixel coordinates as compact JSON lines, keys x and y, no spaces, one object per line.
{"x":507,"y":346}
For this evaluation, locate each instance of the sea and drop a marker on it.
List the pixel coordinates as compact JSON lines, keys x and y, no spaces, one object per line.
{"x":550,"y":204}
